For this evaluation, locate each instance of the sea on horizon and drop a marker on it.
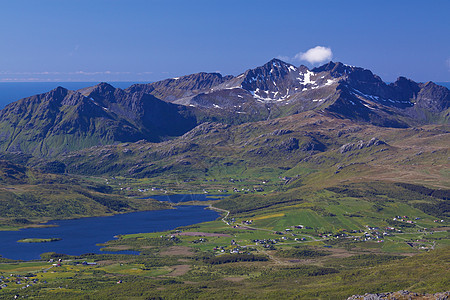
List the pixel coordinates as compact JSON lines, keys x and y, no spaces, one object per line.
{"x":13,"y":91}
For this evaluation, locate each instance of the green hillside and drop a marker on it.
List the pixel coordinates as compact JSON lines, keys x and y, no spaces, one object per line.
{"x":29,"y":197}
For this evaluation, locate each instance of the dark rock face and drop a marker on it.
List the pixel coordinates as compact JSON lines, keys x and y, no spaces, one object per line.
{"x":152,"y":116}
{"x":63,"y":120}
{"x":274,"y":80}
{"x":313,"y":145}
{"x":289,"y":144}
{"x":433,"y":97}
{"x":278,"y":88}
{"x":405,"y":88}
{"x":176,"y":88}
{"x":402,"y":97}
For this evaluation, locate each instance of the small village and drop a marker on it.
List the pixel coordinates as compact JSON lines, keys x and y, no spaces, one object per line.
{"x":299,"y":234}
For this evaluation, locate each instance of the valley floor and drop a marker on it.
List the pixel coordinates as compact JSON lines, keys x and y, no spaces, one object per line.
{"x":297,"y":250}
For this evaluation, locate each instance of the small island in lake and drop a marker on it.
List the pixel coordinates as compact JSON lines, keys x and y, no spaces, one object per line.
{"x":37,"y":240}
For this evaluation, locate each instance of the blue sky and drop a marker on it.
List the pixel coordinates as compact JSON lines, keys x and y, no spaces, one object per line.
{"x":149,"y":40}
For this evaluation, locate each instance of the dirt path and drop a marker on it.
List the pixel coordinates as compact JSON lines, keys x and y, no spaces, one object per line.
{"x":222,"y":210}
{"x":273,"y":258}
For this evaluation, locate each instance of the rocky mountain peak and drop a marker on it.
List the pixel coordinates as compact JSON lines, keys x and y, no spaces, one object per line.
{"x":104,"y":93}
{"x":103,"y":88}
{"x":303,"y":69}
{"x":329,"y":67}
{"x":405,"y":87}
{"x":276,"y":63}
{"x":100,"y":89}
{"x":198,"y":81}
{"x":173,"y":89}
{"x":274,"y":80}
{"x":57,"y":94}
{"x":433,"y":97}
{"x":338,"y":69}
{"x":402,"y":82}
{"x":273,"y":69}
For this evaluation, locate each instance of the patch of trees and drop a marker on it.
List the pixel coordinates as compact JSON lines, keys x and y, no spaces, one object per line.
{"x":155,"y":262}
{"x":101,"y":188}
{"x":55,"y":167}
{"x":301,"y":253}
{"x":21,"y":221}
{"x":6,"y":260}
{"x":441,"y":194}
{"x":109,"y":202}
{"x":321,"y":211}
{"x":378,"y":192}
{"x":229,"y":258}
{"x":149,"y":241}
{"x":241,"y":204}
{"x":375,"y":192}
{"x":367,"y":260}
{"x":297,"y":271}
{"x":352,"y":215}
{"x":54,"y":255}
{"x":438,"y":208}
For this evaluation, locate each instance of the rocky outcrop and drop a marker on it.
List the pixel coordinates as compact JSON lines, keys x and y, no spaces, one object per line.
{"x":289,"y":144}
{"x":361,"y":145}
{"x":281,"y":132}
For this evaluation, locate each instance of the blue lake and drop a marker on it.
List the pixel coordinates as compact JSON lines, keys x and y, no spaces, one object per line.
{"x":80,"y":236}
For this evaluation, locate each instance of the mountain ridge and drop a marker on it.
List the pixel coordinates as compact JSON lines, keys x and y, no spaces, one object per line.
{"x":62,"y":120}
{"x":277,"y":84}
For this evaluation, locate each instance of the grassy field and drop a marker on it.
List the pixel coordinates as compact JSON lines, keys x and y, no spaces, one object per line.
{"x":181,"y":263}
{"x":297,"y":241}
{"x":300,"y":223}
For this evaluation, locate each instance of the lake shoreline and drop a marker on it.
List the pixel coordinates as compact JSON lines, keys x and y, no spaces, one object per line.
{"x":44,"y":223}
{"x":81,"y":235}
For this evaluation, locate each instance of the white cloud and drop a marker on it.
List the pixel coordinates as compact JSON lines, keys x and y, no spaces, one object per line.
{"x":315,"y":55}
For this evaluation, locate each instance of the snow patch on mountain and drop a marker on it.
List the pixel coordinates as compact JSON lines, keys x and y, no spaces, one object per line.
{"x":307,"y":78}
{"x":330,"y":82}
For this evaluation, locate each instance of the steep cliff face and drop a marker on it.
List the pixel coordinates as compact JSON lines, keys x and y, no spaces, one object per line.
{"x":63,"y":120}
{"x":174,"y":89}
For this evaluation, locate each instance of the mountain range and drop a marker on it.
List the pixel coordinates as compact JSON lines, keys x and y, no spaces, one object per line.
{"x":330,"y":173}
{"x":62,"y":120}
